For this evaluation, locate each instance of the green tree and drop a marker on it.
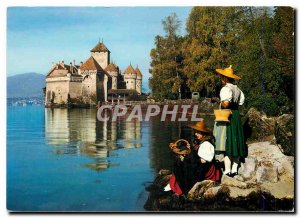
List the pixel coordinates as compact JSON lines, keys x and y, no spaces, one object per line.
{"x":166,"y":62}
{"x":211,"y":40}
{"x":283,"y":41}
{"x":261,"y":79}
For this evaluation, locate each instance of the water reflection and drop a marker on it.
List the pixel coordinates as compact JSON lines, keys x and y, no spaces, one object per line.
{"x":162,"y":133}
{"x":80,"y":164}
{"x":77,"y":131}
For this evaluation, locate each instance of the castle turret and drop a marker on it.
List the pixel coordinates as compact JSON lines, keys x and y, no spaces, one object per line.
{"x":113,"y":71}
{"x":101,"y":54}
{"x":130,"y":77}
{"x":95,"y":81}
{"x":138,"y":83}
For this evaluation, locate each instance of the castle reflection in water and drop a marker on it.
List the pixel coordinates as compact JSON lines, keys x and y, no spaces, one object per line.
{"x":77,"y":131}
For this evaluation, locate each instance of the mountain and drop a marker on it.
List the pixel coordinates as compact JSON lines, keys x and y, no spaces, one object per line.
{"x":25,"y":85}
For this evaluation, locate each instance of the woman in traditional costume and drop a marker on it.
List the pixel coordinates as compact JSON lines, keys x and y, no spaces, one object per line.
{"x":231,"y":142}
{"x":197,"y":165}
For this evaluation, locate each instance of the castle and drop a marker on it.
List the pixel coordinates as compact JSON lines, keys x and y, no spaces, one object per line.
{"x":96,"y":80}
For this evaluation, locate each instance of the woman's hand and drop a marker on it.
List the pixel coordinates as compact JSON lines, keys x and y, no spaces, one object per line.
{"x":225,"y":104}
{"x":215,"y":100}
{"x":172,"y":146}
{"x":202,"y":160}
{"x":181,"y":157}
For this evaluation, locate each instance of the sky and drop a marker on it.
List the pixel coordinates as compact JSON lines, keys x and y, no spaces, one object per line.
{"x":39,"y":36}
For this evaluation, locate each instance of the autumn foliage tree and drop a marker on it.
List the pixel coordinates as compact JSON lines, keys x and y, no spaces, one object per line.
{"x":257,"y":41}
{"x":212,"y":33}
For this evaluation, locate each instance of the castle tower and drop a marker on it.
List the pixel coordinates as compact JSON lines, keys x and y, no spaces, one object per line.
{"x":130,"y":77}
{"x":101,"y":54}
{"x":95,"y":81}
{"x":113,"y":71}
{"x":138,"y":83}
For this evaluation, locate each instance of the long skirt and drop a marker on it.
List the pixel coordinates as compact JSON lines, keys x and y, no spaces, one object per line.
{"x":208,"y":172}
{"x":235,"y":142}
{"x":187,"y":175}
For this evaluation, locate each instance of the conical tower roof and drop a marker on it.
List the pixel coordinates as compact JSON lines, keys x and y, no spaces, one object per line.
{"x":100,"y":47}
{"x":130,"y":70}
{"x":138,"y":72}
{"x":112,"y":68}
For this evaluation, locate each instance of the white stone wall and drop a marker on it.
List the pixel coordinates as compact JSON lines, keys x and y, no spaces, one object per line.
{"x":88,"y":85}
{"x":75,"y":89}
{"x":94,"y":85}
{"x":102,"y":58}
{"x":60,"y":87}
{"x":139,"y":86}
{"x":114,"y":75}
{"x":105,"y":87}
{"x":102,"y":87}
{"x":130,"y":83}
{"x":114,"y":82}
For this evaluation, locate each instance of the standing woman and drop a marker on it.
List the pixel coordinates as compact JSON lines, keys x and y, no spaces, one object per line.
{"x":231,"y":97}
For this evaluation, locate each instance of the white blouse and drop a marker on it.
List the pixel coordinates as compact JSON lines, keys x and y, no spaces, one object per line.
{"x":206,"y":151}
{"x":231,"y":93}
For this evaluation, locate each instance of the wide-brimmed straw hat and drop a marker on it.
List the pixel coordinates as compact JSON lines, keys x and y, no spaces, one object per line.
{"x":228,"y":72}
{"x":200,"y":126}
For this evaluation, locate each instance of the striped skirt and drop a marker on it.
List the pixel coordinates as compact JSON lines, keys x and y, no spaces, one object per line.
{"x":220,"y":136}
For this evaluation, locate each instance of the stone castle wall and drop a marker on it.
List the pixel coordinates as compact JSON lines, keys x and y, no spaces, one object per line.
{"x":89,"y":86}
{"x":139,"y":86}
{"x":75,"y":89}
{"x":57,"y":90}
{"x":114,"y":83}
{"x":102,"y":58}
{"x":130,"y":83}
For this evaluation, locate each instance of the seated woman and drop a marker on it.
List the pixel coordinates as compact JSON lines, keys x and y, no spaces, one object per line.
{"x":197,"y":165}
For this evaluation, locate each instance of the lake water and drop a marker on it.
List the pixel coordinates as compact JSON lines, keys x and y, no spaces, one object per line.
{"x":66,"y":160}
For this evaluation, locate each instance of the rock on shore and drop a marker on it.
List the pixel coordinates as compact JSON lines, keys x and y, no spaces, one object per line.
{"x":257,"y":126}
{"x":285,"y":133}
{"x":265,"y":183}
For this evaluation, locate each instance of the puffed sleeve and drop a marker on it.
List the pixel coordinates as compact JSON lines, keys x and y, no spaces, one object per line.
{"x":226,"y":94}
{"x":242,"y":98}
{"x":206,"y":151}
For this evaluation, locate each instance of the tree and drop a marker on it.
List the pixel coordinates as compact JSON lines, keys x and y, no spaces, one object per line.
{"x":166,"y":63}
{"x":257,"y":41}
{"x":261,"y":79}
{"x":283,"y":41}
{"x":211,"y":40}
